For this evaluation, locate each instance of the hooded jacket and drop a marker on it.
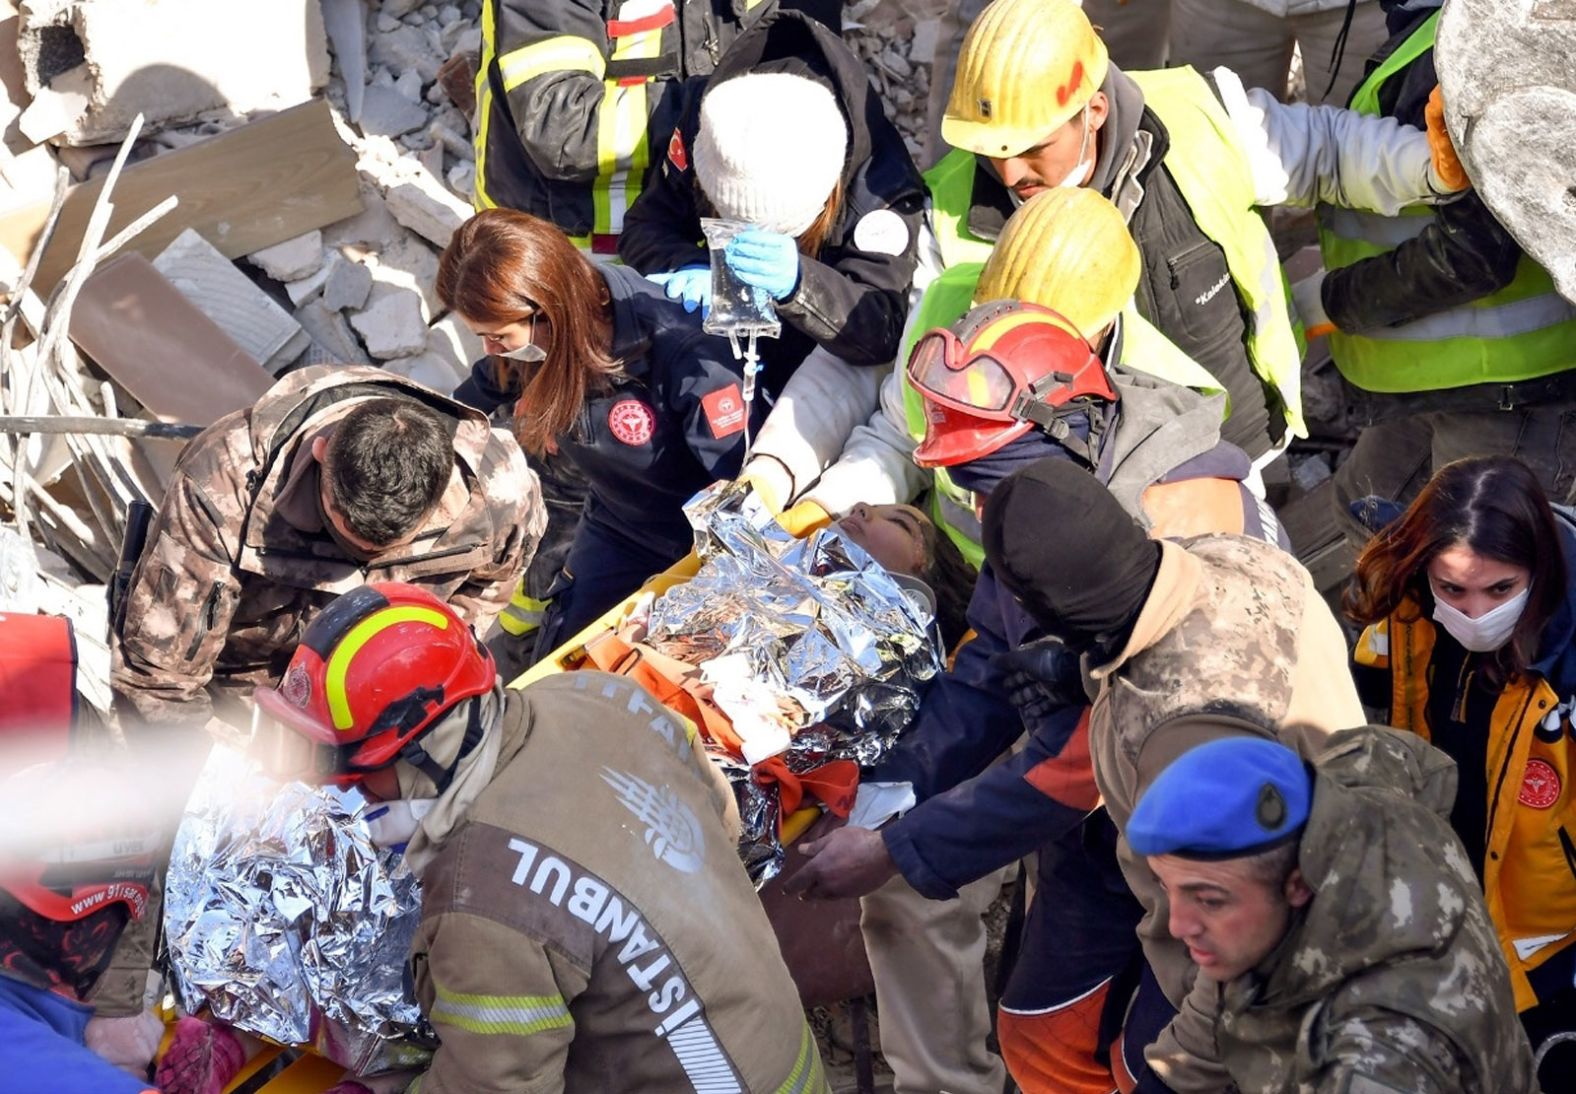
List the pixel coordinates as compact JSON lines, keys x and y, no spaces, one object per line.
{"x":852,"y":296}
{"x":1389,"y":978}
{"x":238,"y":561}
{"x":586,"y":923}
{"x":1529,"y":870}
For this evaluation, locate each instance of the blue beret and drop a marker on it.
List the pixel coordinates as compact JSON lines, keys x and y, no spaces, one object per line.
{"x":1223,"y":799}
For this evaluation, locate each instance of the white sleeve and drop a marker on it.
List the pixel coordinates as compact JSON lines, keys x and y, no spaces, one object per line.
{"x":877,"y":465}
{"x":823,"y":402}
{"x":1304,"y":155}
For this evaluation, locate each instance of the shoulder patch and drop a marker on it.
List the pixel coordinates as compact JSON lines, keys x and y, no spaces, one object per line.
{"x":677,"y":156}
{"x":881,"y":232}
{"x":724,"y":411}
{"x":1540,"y":785}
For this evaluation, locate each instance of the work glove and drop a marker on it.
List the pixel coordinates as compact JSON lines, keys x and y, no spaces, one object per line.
{"x":1308,"y":297}
{"x":804,"y":518}
{"x":127,"y":1043}
{"x":1041,"y":678}
{"x":1447,"y":166}
{"x":691,"y":286}
{"x":767,"y":260}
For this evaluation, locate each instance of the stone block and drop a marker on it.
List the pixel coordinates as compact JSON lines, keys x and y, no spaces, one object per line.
{"x":293,"y":259}
{"x":408,"y":264}
{"x":409,"y":48}
{"x":372,"y":227}
{"x":387,"y":113}
{"x":392,"y":323}
{"x":349,"y":284}
{"x":452,"y":340}
{"x":330,"y":331}
{"x":175,"y":59}
{"x":426,"y":207}
{"x":227,"y":296}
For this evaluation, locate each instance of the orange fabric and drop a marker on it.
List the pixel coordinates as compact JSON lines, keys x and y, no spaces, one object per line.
{"x":1068,"y":777}
{"x":833,"y":784}
{"x":1126,"y":1083}
{"x":1447,"y":165}
{"x":1193,"y":507}
{"x":671,"y":681}
{"x":1056,"y":1051}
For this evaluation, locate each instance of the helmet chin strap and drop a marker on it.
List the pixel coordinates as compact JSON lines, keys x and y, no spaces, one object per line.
{"x":441,"y":775}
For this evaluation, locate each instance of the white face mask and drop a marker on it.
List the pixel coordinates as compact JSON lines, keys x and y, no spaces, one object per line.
{"x":530,"y":353}
{"x":1075,"y":177}
{"x":1487,"y":632}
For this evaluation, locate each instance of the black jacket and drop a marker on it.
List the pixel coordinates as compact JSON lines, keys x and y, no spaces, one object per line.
{"x":673,"y":422}
{"x":1184,"y":290}
{"x":1464,"y":255}
{"x":849,"y":300}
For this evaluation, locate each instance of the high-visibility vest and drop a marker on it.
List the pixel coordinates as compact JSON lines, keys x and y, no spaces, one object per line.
{"x":1522,"y":332}
{"x":1214,"y":176}
{"x":623,"y":148}
{"x":946,"y":299}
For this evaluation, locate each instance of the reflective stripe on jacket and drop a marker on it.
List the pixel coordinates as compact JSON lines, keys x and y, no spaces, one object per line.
{"x":1529,"y":868}
{"x":1524,"y":331}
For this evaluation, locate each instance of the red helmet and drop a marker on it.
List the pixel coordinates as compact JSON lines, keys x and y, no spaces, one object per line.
{"x":373,"y":672}
{"x":1009,"y":367}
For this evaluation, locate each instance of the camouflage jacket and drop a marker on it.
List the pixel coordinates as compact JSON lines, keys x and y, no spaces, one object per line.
{"x":1233,"y":639}
{"x":1391,"y":979}
{"x":586,"y":923}
{"x":237,"y":561}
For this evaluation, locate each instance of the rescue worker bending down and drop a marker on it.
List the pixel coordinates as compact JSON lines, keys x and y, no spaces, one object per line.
{"x":335,"y":477}
{"x":575,"y":96}
{"x":586,"y":923}
{"x":1334,"y":915}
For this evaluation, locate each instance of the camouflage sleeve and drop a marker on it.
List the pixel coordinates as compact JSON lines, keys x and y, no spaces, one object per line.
{"x":121,"y":988}
{"x":183,"y":593}
{"x":1186,"y":1055}
{"x":499,"y":1001}
{"x":514,"y":498}
{"x":1376,"y":1051}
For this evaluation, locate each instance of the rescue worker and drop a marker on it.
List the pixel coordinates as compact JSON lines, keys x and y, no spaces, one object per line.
{"x":1453,"y":342}
{"x":789,"y":136}
{"x":1470,"y":616}
{"x":336,"y":476}
{"x":1184,"y":641}
{"x":78,"y":858}
{"x":565,"y":835}
{"x":1188,"y":160}
{"x":575,"y":100}
{"x":1330,"y":911}
{"x":607,"y":371}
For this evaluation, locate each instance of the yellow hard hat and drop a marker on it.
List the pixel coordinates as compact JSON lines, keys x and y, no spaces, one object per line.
{"x":1069,"y":250}
{"x":1027,"y":66}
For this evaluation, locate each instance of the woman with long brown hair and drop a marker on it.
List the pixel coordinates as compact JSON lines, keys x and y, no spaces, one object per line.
{"x":607,"y":372}
{"x":1470,"y":641}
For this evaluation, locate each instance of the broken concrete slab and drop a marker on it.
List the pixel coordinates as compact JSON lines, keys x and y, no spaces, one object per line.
{"x":349,"y":284}
{"x":426,"y":207}
{"x":392,"y":324}
{"x":452,"y":340}
{"x":174,"y":59}
{"x":346,"y":24}
{"x":227,"y":296}
{"x":372,"y":227}
{"x":293,"y":259}
{"x":304,"y":289}
{"x":386,"y":112}
{"x":51,"y":113}
{"x":331,"y":332}
{"x":408,"y":48}
{"x":408,"y":264}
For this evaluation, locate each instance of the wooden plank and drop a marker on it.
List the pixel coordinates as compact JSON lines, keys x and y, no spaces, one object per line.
{"x":242,"y":191}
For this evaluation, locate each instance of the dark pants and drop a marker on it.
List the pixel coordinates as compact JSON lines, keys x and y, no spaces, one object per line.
{"x":604,"y":565}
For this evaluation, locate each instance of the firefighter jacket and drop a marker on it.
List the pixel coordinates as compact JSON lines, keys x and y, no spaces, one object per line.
{"x":238,"y":562}
{"x":573,"y":96}
{"x":853,"y":295}
{"x":1529,"y":867}
{"x":1233,"y":638}
{"x":1389,"y":978}
{"x":586,"y":923}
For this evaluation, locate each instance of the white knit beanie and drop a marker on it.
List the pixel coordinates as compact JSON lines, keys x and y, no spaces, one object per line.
{"x":770,"y":149}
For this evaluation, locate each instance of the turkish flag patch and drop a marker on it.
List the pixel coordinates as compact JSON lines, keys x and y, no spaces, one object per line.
{"x":676,"y":154}
{"x":724,"y":411}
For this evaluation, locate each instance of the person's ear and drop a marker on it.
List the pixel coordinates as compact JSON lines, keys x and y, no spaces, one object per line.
{"x":319,"y":448}
{"x":1099,"y":111}
{"x":1297,"y":891}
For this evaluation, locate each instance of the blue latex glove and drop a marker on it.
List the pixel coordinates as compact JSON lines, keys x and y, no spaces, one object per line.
{"x":767,"y":260}
{"x":692,"y":285}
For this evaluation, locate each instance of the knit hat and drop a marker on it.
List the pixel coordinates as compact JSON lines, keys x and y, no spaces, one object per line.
{"x":1224,"y":799}
{"x":770,"y":149}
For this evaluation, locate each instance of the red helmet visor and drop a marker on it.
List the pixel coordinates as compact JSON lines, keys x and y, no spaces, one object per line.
{"x":943,"y":371}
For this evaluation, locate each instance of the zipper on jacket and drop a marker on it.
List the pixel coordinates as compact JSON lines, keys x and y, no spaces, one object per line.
{"x":210,"y":613}
{"x":1569,"y":848}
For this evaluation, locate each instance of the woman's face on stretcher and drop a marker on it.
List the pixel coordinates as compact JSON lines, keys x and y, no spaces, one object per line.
{"x":893,"y":535}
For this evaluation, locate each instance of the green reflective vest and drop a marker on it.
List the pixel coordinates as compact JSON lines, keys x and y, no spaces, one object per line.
{"x":1524,"y":331}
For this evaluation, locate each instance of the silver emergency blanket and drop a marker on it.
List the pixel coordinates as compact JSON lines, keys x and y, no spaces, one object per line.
{"x":814,"y":651}
{"x":286,"y":921}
